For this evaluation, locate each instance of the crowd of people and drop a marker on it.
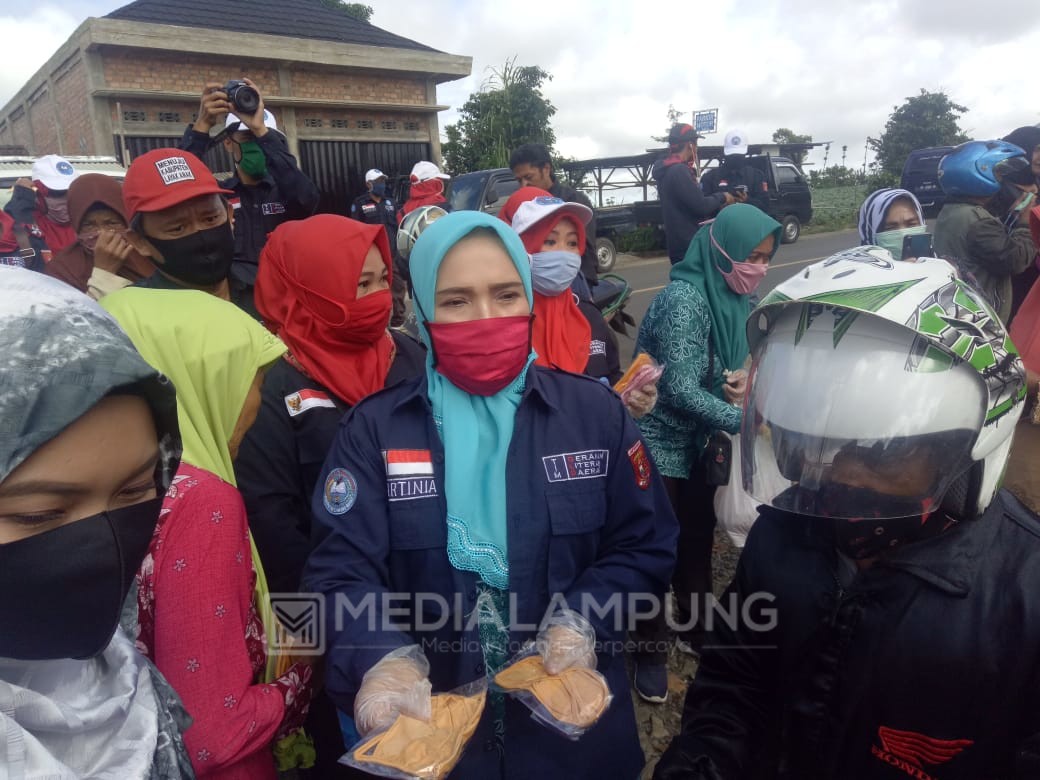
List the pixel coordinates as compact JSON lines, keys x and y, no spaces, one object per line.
{"x":209,"y":404}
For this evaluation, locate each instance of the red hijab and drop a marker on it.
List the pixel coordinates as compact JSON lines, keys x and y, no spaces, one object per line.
{"x":306,"y":291}
{"x":56,"y":235}
{"x":560,"y":334}
{"x":423,"y":193}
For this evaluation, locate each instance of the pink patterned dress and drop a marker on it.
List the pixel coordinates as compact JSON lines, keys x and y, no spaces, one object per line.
{"x":200,"y":626}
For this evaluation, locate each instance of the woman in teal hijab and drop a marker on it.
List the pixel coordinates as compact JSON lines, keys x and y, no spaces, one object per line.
{"x":510,"y":502}
{"x":695,"y":323}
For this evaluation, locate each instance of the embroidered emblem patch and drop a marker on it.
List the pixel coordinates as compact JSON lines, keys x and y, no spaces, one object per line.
{"x":302,"y":400}
{"x":586,"y":464}
{"x":340,"y":492}
{"x":173,"y":170}
{"x":272,"y":208}
{"x":409,"y":475}
{"x":910,"y":752}
{"x":640,"y":464}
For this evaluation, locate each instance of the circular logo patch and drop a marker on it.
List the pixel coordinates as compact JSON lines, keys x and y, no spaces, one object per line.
{"x":64,"y":168}
{"x":340,"y":492}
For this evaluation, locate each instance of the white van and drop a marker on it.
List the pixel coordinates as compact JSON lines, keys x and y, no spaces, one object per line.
{"x":14,"y":168}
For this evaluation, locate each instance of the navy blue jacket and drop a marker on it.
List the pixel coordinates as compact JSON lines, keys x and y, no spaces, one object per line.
{"x":684,"y":206}
{"x":284,"y":193}
{"x":924,"y":666}
{"x":603,"y":536}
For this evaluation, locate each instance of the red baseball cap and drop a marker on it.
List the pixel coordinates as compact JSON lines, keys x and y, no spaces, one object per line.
{"x":163,"y":178}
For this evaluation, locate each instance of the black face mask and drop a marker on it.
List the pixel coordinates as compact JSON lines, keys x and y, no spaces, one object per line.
{"x":64,"y":589}
{"x":201,"y":259}
{"x":870,"y":523}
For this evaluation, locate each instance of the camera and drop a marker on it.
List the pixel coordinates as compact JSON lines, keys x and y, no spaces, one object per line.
{"x":243,"y":97}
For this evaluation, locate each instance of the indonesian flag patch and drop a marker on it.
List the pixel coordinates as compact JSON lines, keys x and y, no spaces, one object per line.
{"x":640,"y":464}
{"x":409,"y":475}
{"x":302,"y":400}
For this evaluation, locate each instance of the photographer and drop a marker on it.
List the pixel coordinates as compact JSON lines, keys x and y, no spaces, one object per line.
{"x":269,"y":185}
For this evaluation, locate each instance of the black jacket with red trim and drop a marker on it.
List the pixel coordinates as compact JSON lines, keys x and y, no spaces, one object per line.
{"x":926,"y":665}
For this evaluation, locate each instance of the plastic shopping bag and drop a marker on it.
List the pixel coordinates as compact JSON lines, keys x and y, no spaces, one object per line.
{"x":735,"y":509}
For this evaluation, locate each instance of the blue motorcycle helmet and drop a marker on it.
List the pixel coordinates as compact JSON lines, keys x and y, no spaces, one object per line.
{"x":976,"y":168}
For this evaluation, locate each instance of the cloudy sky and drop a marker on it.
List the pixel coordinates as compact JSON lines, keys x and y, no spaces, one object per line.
{"x":832,"y":68}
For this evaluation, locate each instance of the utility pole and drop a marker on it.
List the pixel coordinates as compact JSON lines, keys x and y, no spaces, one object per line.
{"x":826,"y":151}
{"x":844,"y":149}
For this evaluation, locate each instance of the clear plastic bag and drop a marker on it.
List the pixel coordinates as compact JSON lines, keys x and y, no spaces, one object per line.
{"x":555,"y":676}
{"x":415,"y":749}
{"x":735,"y":509}
{"x":644,"y":371}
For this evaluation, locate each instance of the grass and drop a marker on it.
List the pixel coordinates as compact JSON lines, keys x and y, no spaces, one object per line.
{"x":835,"y":208}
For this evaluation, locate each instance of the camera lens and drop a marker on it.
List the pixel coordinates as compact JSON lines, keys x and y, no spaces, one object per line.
{"x":246,"y":99}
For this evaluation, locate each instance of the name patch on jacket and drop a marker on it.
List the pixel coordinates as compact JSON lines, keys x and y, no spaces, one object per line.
{"x":272,"y":208}
{"x":586,"y":464}
{"x":302,"y":400}
{"x":409,"y":475}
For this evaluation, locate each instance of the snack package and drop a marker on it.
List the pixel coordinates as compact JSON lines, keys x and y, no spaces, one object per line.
{"x":570,"y":702}
{"x":414,"y":749}
{"x":643,"y":371}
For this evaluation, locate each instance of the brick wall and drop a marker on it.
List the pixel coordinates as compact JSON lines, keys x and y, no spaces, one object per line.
{"x":70,"y":92}
{"x":330,"y":84}
{"x":182,"y":72}
{"x":42,"y":118}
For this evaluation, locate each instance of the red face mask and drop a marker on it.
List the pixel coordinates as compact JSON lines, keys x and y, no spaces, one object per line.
{"x":481,"y":356}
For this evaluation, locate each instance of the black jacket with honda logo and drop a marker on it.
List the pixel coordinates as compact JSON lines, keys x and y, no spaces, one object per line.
{"x":926,"y":665}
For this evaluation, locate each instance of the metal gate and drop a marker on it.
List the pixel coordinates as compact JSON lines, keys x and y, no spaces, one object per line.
{"x":338,"y":167}
{"x":216,"y":158}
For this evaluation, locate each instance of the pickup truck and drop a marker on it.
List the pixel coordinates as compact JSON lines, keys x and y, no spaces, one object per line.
{"x":790,"y":203}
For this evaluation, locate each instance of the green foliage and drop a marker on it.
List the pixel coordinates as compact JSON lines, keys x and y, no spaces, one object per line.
{"x":879,"y":179}
{"x":928,"y":119}
{"x":784,"y":135}
{"x":835,"y":176}
{"x":836,"y":207}
{"x":357,"y":10}
{"x":674,"y":115}
{"x":509,"y":110}
{"x":642,"y":239}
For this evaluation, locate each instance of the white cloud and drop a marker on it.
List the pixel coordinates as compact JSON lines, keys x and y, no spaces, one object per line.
{"x":28,"y":42}
{"x":832,"y":69}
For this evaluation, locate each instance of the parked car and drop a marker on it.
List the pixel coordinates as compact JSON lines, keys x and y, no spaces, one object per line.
{"x":16,"y":167}
{"x":489,"y":190}
{"x":921,"y":177}
{"x":790,"y":199}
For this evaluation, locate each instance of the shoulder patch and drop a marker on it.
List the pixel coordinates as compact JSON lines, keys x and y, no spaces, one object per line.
{"x":302,"y":400}
{"x":587,"y":464}
{"x":340,"y":492}
{"x":640,"y":464}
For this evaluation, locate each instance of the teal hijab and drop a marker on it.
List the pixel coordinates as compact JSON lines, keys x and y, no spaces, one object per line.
{"x":476,"y":430}
{"x":738,"y":229}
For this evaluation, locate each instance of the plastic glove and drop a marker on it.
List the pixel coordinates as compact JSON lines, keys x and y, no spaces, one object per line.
{"x":640,"y":402}
{"x":397,"y":684}
{"x":567,"y":640}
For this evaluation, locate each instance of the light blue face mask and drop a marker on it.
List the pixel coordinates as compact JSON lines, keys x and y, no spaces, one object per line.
{"x":553,"y":272}
{"x":892,"y":240}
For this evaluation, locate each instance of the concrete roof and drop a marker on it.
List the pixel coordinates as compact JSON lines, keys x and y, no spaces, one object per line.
{"x":293,"y":18}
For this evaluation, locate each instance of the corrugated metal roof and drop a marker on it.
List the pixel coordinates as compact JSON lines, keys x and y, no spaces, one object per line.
{"x":293,"y":18}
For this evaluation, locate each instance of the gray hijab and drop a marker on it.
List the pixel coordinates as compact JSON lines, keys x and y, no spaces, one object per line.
{"x":61,"y":353}
{"x":114,"y":715}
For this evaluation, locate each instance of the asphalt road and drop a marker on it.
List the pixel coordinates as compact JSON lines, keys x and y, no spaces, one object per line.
{"x":646,"y":276}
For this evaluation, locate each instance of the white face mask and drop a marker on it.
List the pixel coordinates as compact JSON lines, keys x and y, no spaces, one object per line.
{"x":892,"y":240}
{"x":552,"y":272}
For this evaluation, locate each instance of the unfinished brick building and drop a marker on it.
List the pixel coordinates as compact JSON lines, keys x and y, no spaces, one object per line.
{"x":348,"y":95}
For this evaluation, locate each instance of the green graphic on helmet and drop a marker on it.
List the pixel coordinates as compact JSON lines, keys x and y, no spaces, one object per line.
{"x":862,"y":298}
{"x":774,"y":296}
{"x":956,"y":319}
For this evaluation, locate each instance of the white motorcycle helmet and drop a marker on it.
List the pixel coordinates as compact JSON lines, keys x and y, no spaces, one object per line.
{"x":893,"y":377}
{"x":413,"y":225}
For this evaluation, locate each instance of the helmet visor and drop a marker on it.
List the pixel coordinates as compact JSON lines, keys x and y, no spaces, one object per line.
{"x":855,"y":421}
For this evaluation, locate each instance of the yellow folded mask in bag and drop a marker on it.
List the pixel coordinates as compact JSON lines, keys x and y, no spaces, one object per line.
{"x":575,"y":697}
{"x":426,"y":749}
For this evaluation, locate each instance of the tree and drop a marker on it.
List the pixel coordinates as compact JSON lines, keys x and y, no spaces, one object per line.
{"x":509,"y":110}
{"x":928,"y":119}
{"x":674,"y":115}
{"x":357,"y":10}
{"x":785,"y":136}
